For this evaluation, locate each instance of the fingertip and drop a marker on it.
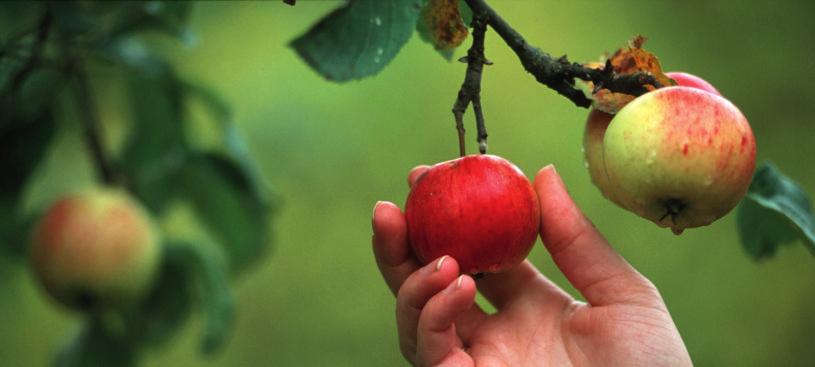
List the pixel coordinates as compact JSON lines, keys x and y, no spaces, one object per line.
{"x":465,"y":285}
{"x":548,"y":178}
{"x":386,"y":216}
{"x":416,"y":173}
{"x":390,"y":234}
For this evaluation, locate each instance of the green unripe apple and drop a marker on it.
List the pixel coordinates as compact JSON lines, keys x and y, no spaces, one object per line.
{"x":679,"y":156}
{"x":96,"y":249}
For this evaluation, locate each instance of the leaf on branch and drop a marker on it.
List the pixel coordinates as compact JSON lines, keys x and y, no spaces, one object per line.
{"x":359,"y":39}
{"x":628,"y":60}
{"x":22,"y":146}
{"x":156,"y":147}
{"x":231,"y":203}
{"x":96,"y":345}
{"x":774,"y":212}
{"x":442,"y":25}
{"x":192,"y":275}
{"x":99,"y":22}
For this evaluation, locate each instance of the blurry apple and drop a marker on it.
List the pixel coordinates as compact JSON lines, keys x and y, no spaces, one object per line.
{"x":679,"y":156}
{"x":95,"y":249}
{"x":479,"y":209}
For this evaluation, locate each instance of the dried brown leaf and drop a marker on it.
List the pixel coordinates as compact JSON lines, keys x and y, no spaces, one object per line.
{"x":631,"y":59}
{"x":444,"y":24}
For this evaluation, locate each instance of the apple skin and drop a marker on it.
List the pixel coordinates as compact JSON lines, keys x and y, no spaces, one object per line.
{"x":693,"y":81}
{"x":597,"y":123}
{"x":95,"y":250}
{"x":679,"y":156}
{"x":479,"y":209}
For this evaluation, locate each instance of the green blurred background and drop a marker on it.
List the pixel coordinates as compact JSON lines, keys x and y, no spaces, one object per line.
{"x":331,"y":151}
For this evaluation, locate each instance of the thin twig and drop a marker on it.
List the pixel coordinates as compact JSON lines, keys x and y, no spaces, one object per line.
{"x":37,"y":49}
{"x":470,"y":91}
{"x":559,"y":73}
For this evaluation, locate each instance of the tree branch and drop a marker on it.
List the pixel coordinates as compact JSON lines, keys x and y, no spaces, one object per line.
{"x":559,"y":73}
{"x":470,"y":91}
{"x":37,"y":49}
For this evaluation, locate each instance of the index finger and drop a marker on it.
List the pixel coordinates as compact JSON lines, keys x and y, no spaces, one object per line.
{"x":393,"y":255}
{"x":391,"y":250}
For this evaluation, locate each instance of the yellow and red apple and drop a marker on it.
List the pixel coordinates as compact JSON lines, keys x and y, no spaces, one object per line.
{"x":679,"y":156}
{"x":95,"y":249}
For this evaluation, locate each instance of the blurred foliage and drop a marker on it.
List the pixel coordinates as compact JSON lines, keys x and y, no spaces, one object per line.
{"x":775,"y":211}
{"x":59,"y":52}
{"x":334,"y":150}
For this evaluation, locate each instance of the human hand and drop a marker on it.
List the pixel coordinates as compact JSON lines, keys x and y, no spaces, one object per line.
{"x":624,"y":323}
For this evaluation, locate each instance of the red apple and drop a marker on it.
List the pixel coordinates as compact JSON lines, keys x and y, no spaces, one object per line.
{"x":96,"y":249}
{"x":479,"y":209}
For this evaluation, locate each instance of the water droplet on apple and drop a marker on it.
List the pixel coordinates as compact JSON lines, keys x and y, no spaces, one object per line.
{"x":586,"y":163}
{"x":650,"y":159}
{"x":708,"y":181}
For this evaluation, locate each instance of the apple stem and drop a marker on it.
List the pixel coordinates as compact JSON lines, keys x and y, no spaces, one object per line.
{"x":93,"y":128}
{"x":558,"y":73}
{"x":470,"y":91}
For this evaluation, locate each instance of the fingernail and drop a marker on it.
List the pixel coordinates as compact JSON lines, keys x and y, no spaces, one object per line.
{"x":458,"y":282}
{"x":373,"y":215}
{"x":440,"y":262}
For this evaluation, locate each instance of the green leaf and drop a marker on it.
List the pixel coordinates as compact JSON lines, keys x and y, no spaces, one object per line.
{"x":15,"y":230}
{"x":168,"y":304}
{"x":156,"y":148}
{"x":230,"y":202}
{"x":774,"y":212}
{"x":233,"y":144}
{"x":191,"y":276}
{"x":205,"y":264}
{"x":22,"y":147}
{"x":97,"y":22}
{"x":359,"y":39}
{"x":95,"y":345}
{"x":168,"y":17}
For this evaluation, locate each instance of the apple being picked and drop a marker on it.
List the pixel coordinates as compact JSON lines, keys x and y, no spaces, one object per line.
{"x":96,"y":249}
{"x":479,"y":209}
{"x":679,"y":156}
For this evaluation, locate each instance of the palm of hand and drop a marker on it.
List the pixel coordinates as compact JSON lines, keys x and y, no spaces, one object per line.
{"x":574,"y":334}
{"x":625,"y":322}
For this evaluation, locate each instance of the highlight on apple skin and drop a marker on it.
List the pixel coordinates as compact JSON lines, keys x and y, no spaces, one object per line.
{"x":680,"y":156}
{"x":689,"y":80}
{"x":479,"y":209}
{"x":95,"y":249}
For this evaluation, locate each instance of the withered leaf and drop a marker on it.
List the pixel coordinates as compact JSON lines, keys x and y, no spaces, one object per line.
{"x":631,"y":59}
{"x":443,"y":23}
